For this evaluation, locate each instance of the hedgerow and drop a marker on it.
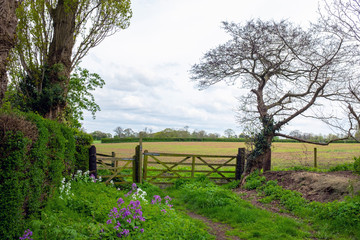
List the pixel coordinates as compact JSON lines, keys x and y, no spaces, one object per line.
{"x":35,"y":153}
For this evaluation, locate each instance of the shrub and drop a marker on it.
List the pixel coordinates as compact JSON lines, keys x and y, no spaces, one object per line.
{"x":83,"y":141}
{"x":357,"y":165}
{"x":13,"y":184}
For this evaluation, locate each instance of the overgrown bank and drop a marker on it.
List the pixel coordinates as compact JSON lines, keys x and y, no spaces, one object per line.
{"x":332,"y":220}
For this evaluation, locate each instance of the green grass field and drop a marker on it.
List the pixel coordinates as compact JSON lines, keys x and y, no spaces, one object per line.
{"x":284,"y":155}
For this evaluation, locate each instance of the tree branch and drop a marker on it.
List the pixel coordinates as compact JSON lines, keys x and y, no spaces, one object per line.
{"x":305,"y":141}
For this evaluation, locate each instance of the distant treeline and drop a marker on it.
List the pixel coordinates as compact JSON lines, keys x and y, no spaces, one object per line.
{"x":184,"y":135}
{"x":176,"y":139}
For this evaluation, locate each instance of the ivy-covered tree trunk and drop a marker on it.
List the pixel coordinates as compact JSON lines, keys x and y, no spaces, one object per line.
{"x":260,"y":157}
{"x":8,"y":23}
{"x":60,"y":53}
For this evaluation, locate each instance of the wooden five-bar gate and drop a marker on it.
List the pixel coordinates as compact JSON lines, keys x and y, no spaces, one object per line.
{"x":162,"y":168}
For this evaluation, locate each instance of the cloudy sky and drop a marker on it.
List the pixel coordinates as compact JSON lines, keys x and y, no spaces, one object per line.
{"x":146,"y":67}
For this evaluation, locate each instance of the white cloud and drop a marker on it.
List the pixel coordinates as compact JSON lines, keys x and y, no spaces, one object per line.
{"x":146,"y":66}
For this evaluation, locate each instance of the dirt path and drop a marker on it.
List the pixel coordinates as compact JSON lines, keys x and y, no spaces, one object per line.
{"x":217,"y":229}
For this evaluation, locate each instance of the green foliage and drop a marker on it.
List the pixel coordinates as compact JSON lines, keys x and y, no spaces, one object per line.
{"x":36,"y":92}
{"x":254,"y":180}
{"x":231,"y":185}
{"x":338,"y":217}
{"x":80,"y":210}
{"x":213,"y":201}
{"x":342,"y":167}
{"x":33,"y":162}
{"x":80,"y":98}
{"x":206,"y":195}
{"x":14,"y":185}
{"x":83,"y":142}
{"x":48,"y":62}
{"x":291,"y":200}
{"x":357,"y":165}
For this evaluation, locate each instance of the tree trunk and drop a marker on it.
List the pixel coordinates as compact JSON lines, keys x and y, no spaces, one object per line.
{"x":60,"y":52}
{"x":267,"y":161}
{"x":8,"y":23}
{"x":260,"y":157}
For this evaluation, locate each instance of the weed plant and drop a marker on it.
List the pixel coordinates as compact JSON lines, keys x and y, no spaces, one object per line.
{"x":85,"y":208}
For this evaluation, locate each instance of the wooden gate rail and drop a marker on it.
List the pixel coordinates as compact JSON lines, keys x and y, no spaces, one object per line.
{"x":114,"y":167}
{"x":140,"y":163}
{"x":169,"y":166}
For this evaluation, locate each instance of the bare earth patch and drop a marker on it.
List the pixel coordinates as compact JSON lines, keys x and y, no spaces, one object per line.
{"x":215,"y":228}
{"x":314,"y":186}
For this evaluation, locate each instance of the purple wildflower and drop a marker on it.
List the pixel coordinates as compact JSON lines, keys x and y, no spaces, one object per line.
{"x":156,"y":199}
{"x":120,"y":201}
{"x":92,"y":176}
{"x":26,"y":235}
{"x":167,"y":199}
{"x":117,"y":225}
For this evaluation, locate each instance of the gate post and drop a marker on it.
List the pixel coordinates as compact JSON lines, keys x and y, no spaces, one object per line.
{"x":92,"y":161}
{"x":145,"y":165}
{"x":240,"y":163}
{"x":137,"y":165}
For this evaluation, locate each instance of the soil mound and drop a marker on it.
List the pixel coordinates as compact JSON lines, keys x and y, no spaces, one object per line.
{"x":314,"y":186}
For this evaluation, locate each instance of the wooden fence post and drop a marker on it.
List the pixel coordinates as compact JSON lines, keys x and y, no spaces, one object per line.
{"x":92,"y":161}
{"x":140,"y":167}
{"x":145,"y":165}
{"x":113,"y":163}
{"x":193,"y":167}
{"x":315,"y":157}
{"x":137,"y":165}
{"x":240,"y":163}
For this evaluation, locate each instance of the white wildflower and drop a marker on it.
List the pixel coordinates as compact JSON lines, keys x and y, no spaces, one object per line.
{"x":140,"y":195}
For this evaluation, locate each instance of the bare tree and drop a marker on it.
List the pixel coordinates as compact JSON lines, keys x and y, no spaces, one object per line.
{"x":119,"y":132}
{"x":286,"y":69}
{"x":229,"y":133}
{"x":342,"y":17}
{"x":8,"y":23}
{"x":128,"y":132}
